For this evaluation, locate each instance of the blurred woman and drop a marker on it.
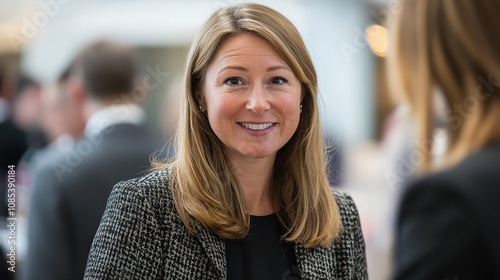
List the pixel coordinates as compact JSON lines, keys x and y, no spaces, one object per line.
{"x":448,"y":225}
{"x":247,"y":196}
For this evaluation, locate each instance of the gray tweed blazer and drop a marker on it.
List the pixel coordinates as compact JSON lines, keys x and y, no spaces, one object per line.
{"x":142,"y":237}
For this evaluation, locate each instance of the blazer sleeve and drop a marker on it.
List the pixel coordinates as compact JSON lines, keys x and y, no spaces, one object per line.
{"x":352,"y":264}
{"x":127,"y":244}
{"x":434,"y":229}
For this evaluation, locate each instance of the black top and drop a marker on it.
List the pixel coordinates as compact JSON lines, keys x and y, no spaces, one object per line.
{"x":261,"y":254}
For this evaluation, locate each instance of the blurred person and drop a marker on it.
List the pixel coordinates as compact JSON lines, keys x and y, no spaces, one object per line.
{"x":70,"y":194}
{"x":13,"y":143}
{"x":62,"y":122}
{"x":27,"y":105}
{"x":247,"y":195}
{"x":52,"y":112}
{"x":447,"y":224}
{"x":26,"y":112}
{"x":12,"y":146}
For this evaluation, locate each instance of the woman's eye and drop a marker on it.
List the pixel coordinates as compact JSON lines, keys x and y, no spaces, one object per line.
{"x":278,"y":80}
{"x":233,"y":81}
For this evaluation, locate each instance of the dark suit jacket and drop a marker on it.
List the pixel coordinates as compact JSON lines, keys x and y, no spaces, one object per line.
{"x":142,"y":237}
{"x":449,"y":224}
{"x":69,"y":198}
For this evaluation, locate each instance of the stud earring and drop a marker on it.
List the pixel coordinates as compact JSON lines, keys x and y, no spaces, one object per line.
{"x":201,"y":109}
{"x":300,"y":108}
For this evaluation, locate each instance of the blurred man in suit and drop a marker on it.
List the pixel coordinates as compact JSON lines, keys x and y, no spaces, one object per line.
{"x":70,"y":193}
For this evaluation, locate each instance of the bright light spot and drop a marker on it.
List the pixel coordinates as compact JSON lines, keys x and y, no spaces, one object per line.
{"x":376,"y":36}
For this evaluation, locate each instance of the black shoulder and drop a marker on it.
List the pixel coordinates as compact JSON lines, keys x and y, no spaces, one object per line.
{"x":476,"y":174}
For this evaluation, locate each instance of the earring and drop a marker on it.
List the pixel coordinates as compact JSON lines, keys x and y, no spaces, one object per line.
{"x":300,"y":108}
{"x":201,"y":109}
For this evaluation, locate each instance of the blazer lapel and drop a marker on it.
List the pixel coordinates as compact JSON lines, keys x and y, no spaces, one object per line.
{"x":315,"y":263}
{"x":215,"y":249}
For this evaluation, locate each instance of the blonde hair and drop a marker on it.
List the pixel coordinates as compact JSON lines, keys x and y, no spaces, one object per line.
{"x":453,"y":46}
{"x":205,"y":189}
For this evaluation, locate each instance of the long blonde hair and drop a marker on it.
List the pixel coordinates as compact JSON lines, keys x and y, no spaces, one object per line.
{"x":205,"y":189}
{"x":453,"y":46}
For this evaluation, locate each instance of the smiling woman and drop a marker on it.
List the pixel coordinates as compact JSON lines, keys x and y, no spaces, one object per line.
{"x":246,"y":196}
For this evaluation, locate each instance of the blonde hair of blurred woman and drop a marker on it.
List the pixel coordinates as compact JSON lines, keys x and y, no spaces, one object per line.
{"x":456,"y":49}
{"x":205,"y":188}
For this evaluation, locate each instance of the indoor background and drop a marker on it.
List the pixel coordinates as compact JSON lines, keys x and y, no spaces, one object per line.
{"x":347,"y":40}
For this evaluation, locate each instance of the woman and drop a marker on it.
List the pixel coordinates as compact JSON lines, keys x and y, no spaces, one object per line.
{"x":247,"y":195}
{"x":448,"y":225}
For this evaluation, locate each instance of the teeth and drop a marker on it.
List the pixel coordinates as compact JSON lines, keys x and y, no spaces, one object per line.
{"x":260,"y":126}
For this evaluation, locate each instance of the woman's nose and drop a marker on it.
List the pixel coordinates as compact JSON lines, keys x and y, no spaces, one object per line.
{"x":258,"y":100}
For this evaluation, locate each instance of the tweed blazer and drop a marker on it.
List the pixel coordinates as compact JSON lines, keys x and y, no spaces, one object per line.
{"x":142,"y":237}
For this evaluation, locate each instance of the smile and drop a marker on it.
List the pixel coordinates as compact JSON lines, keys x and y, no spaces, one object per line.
{"x":256,"y":126}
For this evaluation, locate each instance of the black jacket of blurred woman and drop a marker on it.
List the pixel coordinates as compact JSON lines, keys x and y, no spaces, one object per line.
{"x":448,"y":225}
{"x":247,"y":195}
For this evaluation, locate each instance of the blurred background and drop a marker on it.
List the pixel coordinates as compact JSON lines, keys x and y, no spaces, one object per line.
{"x":347,"y":40}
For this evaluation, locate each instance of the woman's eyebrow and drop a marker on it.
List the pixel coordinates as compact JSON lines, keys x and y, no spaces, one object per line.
{"x":278,"y":67}
{"x":241,"y":68}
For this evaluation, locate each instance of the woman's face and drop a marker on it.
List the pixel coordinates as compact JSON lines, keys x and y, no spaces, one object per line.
{"x":252,"y":98}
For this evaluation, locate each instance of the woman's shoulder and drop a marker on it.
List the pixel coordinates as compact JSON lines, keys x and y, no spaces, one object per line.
{"x":348,"y":210}
{"x":351,"y":224}
{"x":476,"y":176}
{"x":153,"y":188}
{"x":158,"y":180}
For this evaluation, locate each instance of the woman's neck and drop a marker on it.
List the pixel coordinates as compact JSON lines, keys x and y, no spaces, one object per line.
{"x":253,"y":177}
